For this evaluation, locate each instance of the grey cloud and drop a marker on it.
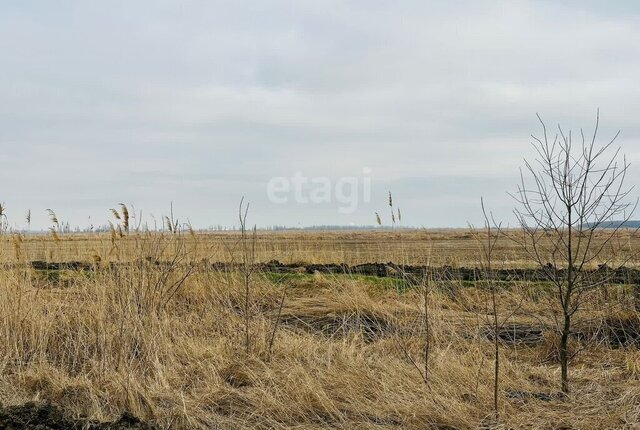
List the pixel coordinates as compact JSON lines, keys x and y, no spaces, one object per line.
{"x":201,"y":102}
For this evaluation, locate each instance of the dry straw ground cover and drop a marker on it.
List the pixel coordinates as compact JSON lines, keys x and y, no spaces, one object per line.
{"x":163,"y":335}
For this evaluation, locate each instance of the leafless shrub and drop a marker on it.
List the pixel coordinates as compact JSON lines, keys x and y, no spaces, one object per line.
{"x":570,"y":192}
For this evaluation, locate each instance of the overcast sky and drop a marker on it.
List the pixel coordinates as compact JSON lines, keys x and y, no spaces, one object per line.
{"x":202,"y":102}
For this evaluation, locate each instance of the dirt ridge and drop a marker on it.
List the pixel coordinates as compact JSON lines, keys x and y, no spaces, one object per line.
{"x":619,"y":275}
{"x":46,"y":416}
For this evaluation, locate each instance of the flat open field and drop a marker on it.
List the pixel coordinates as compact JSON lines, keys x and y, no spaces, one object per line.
{"x":151,"y":327}
{"x":433,"y":247}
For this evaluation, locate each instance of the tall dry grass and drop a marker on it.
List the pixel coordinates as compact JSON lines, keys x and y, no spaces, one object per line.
{"x":165,"y":338}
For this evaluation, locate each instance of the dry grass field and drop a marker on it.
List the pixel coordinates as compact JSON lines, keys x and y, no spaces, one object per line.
{"x":315,"y":215}
{"x":456,"y":247}
{"x":180,"y":343}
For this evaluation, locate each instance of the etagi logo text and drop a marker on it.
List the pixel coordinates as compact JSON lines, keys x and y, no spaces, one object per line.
{"x":347,"y":191}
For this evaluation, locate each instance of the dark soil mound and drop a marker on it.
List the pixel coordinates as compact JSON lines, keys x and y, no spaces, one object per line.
{"x":49,"y":417}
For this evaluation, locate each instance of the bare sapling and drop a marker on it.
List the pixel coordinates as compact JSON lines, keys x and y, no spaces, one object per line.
{"x":572,"y":202}
{"x":488,"y":241}
{"x":248,"y":240}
